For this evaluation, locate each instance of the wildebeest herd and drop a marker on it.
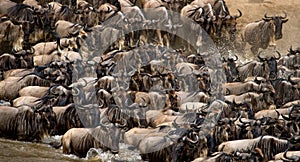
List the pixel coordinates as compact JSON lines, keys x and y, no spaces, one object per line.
{"x":140,"y":91}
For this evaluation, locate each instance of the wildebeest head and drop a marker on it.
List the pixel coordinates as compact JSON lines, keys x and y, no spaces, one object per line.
{"x":293,"y":52}
{"x":107,"y":11}
{"x":277,"y":21}
{"x":46,"y":118}
{"x":188,"y":145}
{"x":230,"y":69}
{"x":272,"y":64}
{"x":177,"y":5}
{"x":230,"y":22}
{"x":107,"y":136}
{"x":12,"y":32}
{"x":22,"y":12}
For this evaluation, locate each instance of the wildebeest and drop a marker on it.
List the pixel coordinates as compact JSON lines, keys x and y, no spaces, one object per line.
{"x":35,"y":21}
{"x":266,"y":67}
{"x":269,"y":145}
{"x":10,"y":87}
{"x":264,"y":33}
{"x":79,"y":140}
{"x":21,"y":59}
{"x":47,"y":48}
{"x":153,"y":8}
{"x":25,"y":100}
{"x":26,"y":123}
{"x":34,"y":91}
{"x":11,"y":35}
{"x":288,"y":156}
{"x":272,"y":113}
{"x":67,"y":118}
{"x":135,"y":135}
{"x":157,"y":117}
{"x":68,"y":29}
{"x":175,"y":145}
{"x":285,"y":92}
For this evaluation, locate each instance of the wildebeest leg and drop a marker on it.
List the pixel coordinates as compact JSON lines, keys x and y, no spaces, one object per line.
{"x":167,"y":39}
{"x":160,"y":41}
{"x":120,"y":44}
{"x":128,"y":39}
{"x":143,"y":37}
{"x":136,"y":38}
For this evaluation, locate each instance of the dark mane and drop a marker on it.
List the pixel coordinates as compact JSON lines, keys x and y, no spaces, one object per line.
{"x":21,"y":12}
{"x":65,"y":13}
{"x":25,"y":121}
{"x":25,"y":125}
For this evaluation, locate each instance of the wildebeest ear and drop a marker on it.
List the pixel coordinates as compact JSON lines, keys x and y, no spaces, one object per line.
{"x":285,"y":20}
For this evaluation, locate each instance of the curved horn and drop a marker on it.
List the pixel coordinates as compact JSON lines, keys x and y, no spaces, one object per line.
{"x":292,"y":109}
{"x":240,"y":14}
{"x":240,"y":120}
{"x":286,"y":158}
{"x":285,"y":118}
{"x":259,"y":56}
{"x":198,"y":19}
{"x":175,"y":123}
{"x":51,"y":89}
{"x":31,"y":51}
{"x":33,"y":73}
{"x":291,"y":51}
{"x":185,"y":138}
{"x":267,"y":17}
{"x":102,"y":123}
{"x":290,"y":79}
{"x":227,"y":91}
{"x":238,"y":117}
{"x":278,"y":113}
{"x":22,"y":52}
{"x":108,"y":9}
{"x":195,"y":125}
{"x":85,"y":83}
{"x":134,"y":106}
{"x":279,"y":55}
{"x":285,"y":15}
{"x":236,"y":58}
{"x":76,"y":91}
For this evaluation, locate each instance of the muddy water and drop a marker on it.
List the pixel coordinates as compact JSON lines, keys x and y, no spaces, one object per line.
{"x":17,"y":151}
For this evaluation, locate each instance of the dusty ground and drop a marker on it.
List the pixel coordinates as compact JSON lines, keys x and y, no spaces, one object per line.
{"x":254,"y":10}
